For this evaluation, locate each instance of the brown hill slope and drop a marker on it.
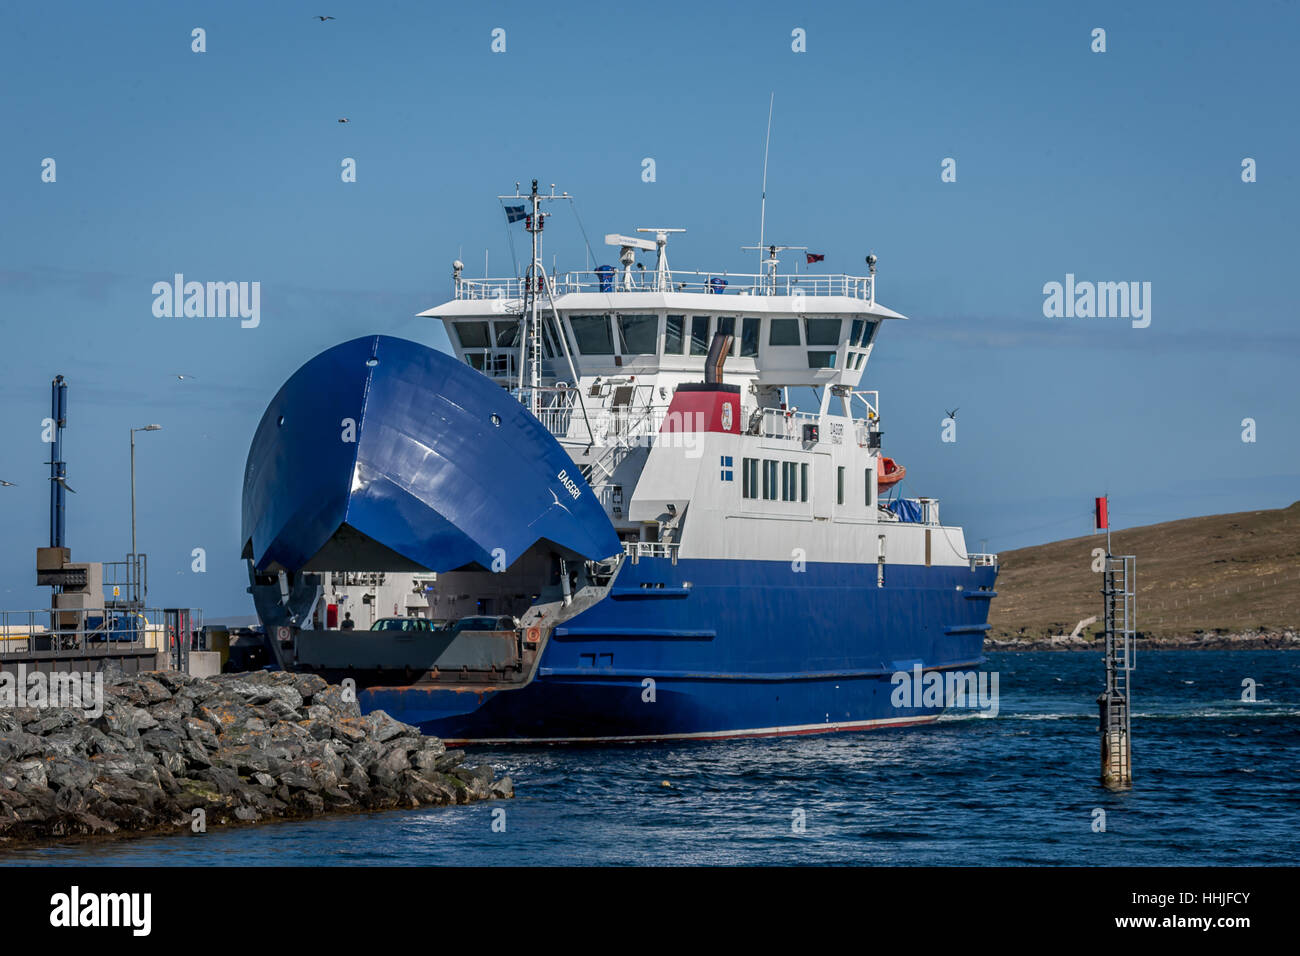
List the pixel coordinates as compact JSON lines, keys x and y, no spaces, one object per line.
{"x":1231,"y":573}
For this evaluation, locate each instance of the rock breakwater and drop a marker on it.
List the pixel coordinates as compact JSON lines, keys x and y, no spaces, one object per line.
{"x":172,"y":752}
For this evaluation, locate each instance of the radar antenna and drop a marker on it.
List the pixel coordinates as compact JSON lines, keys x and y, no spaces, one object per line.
{"x":771,"y":262}
{"x":627,"y":255}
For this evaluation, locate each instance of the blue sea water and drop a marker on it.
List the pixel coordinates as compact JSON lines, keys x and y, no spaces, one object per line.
{"x":1215,"y":783}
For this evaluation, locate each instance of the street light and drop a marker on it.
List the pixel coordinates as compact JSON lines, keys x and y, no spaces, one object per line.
{"x":142,"y":428}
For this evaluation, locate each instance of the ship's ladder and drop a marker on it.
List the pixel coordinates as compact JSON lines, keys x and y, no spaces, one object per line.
{"x":624,"y":436}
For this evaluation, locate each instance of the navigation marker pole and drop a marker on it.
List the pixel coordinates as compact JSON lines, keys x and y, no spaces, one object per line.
{"x":1119,"y":589}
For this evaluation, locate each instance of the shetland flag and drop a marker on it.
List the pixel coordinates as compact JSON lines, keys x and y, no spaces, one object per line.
{"x":515,"y":213}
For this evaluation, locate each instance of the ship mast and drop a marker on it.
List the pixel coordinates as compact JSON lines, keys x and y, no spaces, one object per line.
{"x":535,"y":280}
{"x":536,"y":276}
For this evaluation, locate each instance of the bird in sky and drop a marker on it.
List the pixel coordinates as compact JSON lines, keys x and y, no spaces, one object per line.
{"x":323,"y":19}
{"x":64,"y":483}
{"x":182,"y":378}
{"x":953,"y":414}
{"x":6,"y":484}
{"x":344,"y":120}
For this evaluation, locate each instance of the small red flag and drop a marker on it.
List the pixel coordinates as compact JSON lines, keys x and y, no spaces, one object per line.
{"x":1102,"y":517}
{"x":814,"y":257}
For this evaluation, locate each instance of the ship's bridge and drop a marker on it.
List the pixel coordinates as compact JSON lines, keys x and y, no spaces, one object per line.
{"x":788,"y":331}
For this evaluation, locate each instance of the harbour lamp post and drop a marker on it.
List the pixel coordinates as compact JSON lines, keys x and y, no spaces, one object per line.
{"x":134,"y":556}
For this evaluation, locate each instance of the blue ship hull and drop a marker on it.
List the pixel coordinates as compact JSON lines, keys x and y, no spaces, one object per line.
{"x":748,"y":649}
{"x":383,"y":451}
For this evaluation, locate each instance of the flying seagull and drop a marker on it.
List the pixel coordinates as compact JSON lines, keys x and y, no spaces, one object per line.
{"x":343,"y":120}
{"x":953,"y":414}
{"x":181,"y":378}
{"x":322,"y":19}
{"x":64,"y":483}
{"x":6,"y":484}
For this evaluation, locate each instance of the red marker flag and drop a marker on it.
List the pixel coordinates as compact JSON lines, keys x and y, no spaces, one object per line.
{"x":1102,"y":516}
{"x":814,"y":257}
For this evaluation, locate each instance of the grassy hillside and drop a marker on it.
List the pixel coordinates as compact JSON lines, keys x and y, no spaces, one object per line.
{"x":1231,"y":573}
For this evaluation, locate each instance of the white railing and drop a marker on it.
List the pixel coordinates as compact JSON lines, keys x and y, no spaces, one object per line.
{"x":490,"y":288}
{"x":779,"y":423}
{"x":650,"y":549}
{"x":84,"y":630}
{"x":608,"y":427}
{"x":717,"y":283}
{"x":831,"y":429}
{"x":557,"y":420}
{"x":625,"y":424}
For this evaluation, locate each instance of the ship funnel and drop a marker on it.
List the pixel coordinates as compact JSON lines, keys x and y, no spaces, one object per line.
{"x":719,"y":349}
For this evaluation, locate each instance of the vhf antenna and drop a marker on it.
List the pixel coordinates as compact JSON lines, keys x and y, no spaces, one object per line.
{"x":762,"y":213}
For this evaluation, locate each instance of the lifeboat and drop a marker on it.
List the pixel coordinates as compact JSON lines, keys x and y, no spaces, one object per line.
{"x":891,"y":473}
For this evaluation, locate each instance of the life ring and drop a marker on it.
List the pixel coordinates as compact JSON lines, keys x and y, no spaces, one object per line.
{"x":533,"y":635}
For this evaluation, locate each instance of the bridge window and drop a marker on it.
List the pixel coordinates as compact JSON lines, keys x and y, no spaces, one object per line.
{"x":783,"y":332}
{"x":700,"y":335}
{"x":839,"y":485}
{"x":769,"y":480}
{"x":749,"y":337}
{"x":591,"y":333}
{"x":507,"y":333}
{"x":749,"y":477}
{"x":871,"y":486}
{"x":674,"y":340}
{"x":638,"y":334}
{"x":823,"y":331}
{"x":472,"y":335}
{"x":727,"y":325}
{"x":821,"y":359}
{"x":803,"y":481}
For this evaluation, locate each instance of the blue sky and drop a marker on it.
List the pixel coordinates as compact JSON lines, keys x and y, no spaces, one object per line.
{"x":224,"y":165}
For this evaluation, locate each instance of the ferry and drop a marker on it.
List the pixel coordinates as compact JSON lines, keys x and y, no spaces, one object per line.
{"x":604,"y":517}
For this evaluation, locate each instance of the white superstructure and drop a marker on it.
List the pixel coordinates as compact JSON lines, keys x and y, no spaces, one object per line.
{"x":614,"y":344}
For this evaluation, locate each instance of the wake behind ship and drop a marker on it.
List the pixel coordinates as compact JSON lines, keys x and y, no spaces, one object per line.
{"x":604,"y":519}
